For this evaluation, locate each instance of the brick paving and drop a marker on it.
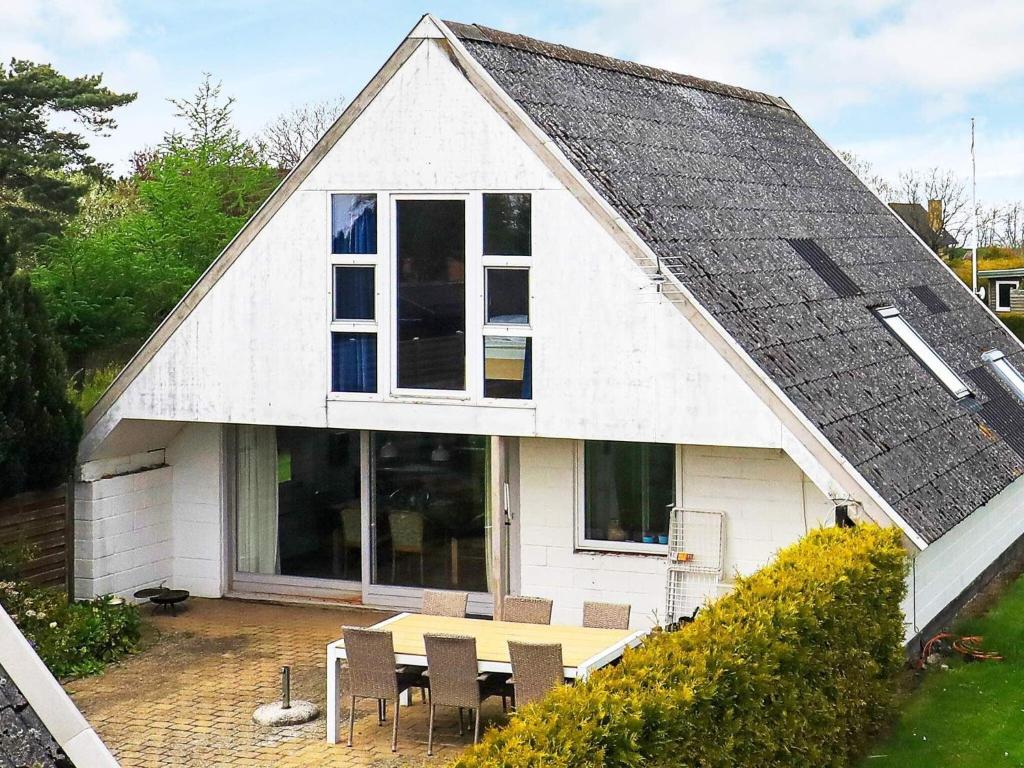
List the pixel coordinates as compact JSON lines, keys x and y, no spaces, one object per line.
{"x":188,"y":699}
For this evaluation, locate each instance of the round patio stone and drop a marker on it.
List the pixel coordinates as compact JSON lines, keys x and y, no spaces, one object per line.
{"x":274,"y":714}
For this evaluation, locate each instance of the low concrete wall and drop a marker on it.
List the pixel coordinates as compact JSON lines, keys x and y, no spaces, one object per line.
{"x":123,"y":533}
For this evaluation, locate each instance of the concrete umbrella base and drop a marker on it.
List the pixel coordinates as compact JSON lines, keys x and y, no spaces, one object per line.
{"x":274,"y":714}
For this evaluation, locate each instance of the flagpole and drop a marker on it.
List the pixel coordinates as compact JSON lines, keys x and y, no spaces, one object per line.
{"x":974,"y":216}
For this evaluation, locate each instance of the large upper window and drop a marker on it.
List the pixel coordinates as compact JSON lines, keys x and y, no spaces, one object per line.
{"x":628,"y":491}
{"x":920,"y":349}
{"x":431,"y":302}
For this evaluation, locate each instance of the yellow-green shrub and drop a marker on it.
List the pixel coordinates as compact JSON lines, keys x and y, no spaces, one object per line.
{"x":795,"y":667}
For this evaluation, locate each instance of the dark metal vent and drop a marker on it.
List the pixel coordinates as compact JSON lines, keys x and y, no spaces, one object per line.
{"x":929,"y":298}
{"x":1002,"y":412}
{"x":827,"y":269}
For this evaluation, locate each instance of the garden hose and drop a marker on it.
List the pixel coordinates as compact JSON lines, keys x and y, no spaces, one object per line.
{"x":968,"y":646}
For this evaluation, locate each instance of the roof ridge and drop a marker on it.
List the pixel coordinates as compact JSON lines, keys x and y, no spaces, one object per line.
{"x":481,"y":33}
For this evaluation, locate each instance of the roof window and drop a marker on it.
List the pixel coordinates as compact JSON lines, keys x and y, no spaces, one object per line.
{"x":1006,"y":371}
{"x":920,"y":349}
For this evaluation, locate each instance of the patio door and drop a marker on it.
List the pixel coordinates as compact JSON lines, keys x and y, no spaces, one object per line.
{"x":297,"y":504}
{"x":335,"y":513}
{"x":430,"y":518}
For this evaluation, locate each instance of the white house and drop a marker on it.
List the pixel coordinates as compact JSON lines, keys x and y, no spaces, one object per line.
{"x":516,"y":304}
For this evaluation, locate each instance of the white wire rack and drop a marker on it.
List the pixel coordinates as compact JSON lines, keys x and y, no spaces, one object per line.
{"x":696,"y":553}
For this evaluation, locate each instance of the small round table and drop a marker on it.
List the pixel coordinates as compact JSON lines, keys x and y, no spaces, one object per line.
{"x":162,"y":597}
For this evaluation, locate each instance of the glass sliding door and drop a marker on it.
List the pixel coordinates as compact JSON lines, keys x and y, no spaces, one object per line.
{"x":297,"y":502}
{"x":431,"y":286}
{"x":430,"y":502}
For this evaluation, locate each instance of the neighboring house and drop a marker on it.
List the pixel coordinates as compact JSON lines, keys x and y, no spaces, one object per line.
{"x":515,"y":304}
{"x":927,"y":224}
{"x":1002,"y":288}
{"x":40,"y":727}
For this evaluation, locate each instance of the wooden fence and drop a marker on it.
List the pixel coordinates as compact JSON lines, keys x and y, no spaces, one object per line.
{"x":43,"y":520}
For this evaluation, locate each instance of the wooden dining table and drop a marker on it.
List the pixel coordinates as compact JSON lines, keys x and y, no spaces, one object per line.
{"x":584,"y":649}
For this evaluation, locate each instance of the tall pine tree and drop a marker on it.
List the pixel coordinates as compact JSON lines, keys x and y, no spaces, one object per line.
{"x":43,"y":174}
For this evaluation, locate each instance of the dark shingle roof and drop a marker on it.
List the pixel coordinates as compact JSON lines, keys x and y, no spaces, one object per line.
{"x":24,"y":740}
{"x":715,"y":179}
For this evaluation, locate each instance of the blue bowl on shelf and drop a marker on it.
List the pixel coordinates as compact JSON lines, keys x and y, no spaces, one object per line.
{"x":648,"y":539}
{"x":663,"y":539}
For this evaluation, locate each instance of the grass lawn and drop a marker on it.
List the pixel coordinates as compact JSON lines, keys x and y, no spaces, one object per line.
{"x":973,"y":713}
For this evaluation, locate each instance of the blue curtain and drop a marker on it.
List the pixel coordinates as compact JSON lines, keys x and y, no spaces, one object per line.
{"x":354,"y":223}
{"x":528,"y":370}
{"x":353,"y":293}
{"x":354,"y":362}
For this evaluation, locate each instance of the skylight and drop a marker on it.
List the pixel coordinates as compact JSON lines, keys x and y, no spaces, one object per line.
{"x":1006,"y":371}
{"x":920,"y":349}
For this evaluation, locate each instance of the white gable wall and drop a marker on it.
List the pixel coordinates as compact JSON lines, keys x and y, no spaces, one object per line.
{"x":611,"y":358}
{"x":948,"y":566}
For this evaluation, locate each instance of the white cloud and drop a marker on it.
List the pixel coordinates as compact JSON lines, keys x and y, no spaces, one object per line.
{"x":1000,"y":157}
{"x":31,"y":29}
{"x":825,"y":56}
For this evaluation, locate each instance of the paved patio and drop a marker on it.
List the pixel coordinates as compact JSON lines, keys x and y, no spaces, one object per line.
{"x":188,"y":699}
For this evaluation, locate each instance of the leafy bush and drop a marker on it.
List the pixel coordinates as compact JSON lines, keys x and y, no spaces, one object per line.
{"x":94,"y":384}
{"x":795,"y":667}
{"x":73,"y":639}
{"x":138,"y":245}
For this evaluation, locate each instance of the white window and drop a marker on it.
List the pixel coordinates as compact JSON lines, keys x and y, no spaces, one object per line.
{"x":354,"y":292}
{"x":920,"y":349}
{"x":1003,"y":288}
{"x":508,"y":336}
{"x":1006,"y":371}
{"x":625,"y":494}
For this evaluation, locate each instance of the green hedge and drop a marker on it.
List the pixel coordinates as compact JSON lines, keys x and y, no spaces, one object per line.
{"x":795,"y":667}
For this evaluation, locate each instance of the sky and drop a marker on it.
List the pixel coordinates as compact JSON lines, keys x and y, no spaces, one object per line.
{"x":895,"y":82}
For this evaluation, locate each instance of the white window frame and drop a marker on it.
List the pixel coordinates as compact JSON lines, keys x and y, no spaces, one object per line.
{"x":1005,"y":371}
{"x":921,"y":350}
{"x":512,"y":331}
{"x":528,"y":325}
{"x":473,"y":380}
{"x":355,"y":326}
{"x":1007,"y":307}
{"x":499,"y":261}
{"x":582,"y":543}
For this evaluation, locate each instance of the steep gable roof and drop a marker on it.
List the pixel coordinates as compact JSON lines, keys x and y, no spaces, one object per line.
{"x":24,"y":740}
{"x":717,"y":181}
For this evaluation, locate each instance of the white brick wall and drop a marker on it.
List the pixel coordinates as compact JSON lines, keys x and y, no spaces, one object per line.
{"x":764,"y":495}
{"x":946,"y":567}
{"x":123,"y":537}
{"x":768,"y":502}
{"x":159,"y":525}
{"x":195,"y":455}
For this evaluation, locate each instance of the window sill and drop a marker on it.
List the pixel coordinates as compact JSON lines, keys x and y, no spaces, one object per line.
{"x":621,"y":548}
{"x":410,"y":399}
